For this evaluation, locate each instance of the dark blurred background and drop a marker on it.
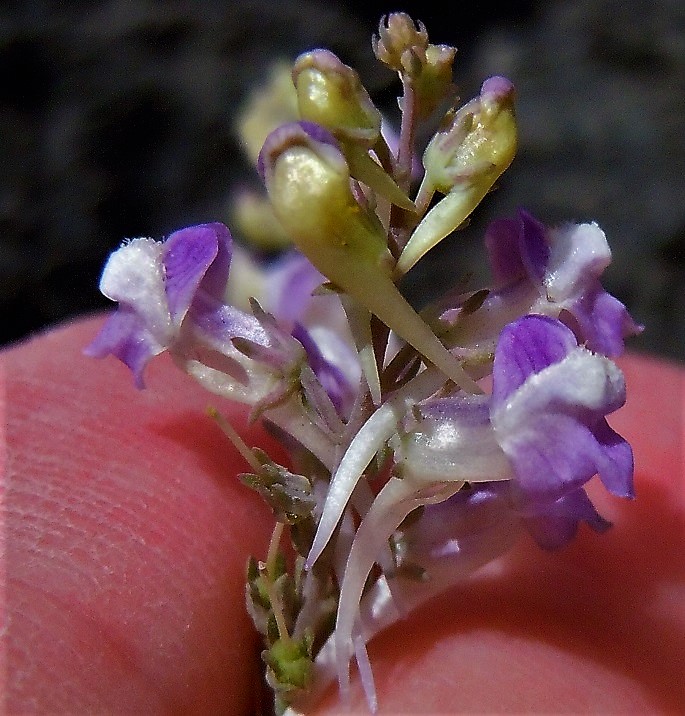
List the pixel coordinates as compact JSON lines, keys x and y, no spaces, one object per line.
{"x":117,"y":121}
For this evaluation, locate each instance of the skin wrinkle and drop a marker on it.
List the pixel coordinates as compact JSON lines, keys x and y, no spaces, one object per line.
{"x":86,"y":670}
{"x":78,"y":534}
{"x":165,"y":592}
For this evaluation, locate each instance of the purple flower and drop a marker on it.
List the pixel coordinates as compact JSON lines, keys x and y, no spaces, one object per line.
{"x":469,"y":521}
{"x":154,"y":284}
{"x":541,"y":435}
{"x":170,"y":297}
{"x":549,"y":402}
{"x":561,"y":269}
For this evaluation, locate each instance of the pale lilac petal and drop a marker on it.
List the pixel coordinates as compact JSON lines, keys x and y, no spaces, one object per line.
{"x":557,"y":453}
{"x":580,"y":254}
{"x":157,"y":284}
{"x":291,"y":284}
{"x":219,"y":323}
{"x":558,"y":271}
{"x":504,"y":255}
{"x":617,"y":466}
{"x":460,"y":522}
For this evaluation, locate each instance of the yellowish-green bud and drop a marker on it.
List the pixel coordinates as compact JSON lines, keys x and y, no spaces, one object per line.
{"x":434,"y":83}
{"x":331,"y":94}
{"x":463,"y":161}
{"x":253,"y":218}
{"x":480,"y":142}
{"x":308,"y":182}
{"x":270,"y":106}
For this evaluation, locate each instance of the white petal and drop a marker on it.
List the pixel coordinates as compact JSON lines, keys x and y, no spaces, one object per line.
{"x":579,"y":253}
{"x":134,"y":275}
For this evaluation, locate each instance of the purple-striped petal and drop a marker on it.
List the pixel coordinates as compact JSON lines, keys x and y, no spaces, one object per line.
{"x":187,"y":256}
{"x":525,"y":348}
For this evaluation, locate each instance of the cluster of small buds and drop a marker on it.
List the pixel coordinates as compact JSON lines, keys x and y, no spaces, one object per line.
{"x":404,"y":47}
{"x":422,"y":444}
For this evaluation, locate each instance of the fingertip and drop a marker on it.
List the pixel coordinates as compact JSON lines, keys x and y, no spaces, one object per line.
{"x":128,"y":535}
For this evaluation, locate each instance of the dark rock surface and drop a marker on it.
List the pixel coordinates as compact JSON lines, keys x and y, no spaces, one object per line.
{"x":117,"y":122}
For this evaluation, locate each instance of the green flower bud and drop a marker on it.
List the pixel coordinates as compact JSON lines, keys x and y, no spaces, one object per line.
{"x":308,"y":182}
{"x":463,"y":161}
{"x":331,"y":94}
{"x":434,"y":83}
{"x":480,"y":142}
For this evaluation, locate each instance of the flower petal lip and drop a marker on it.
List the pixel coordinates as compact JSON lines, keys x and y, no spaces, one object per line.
{"x":125,"y":337}
{"x":550,"y":399}
{"x":526,"y":347}
{"x":556,"y":525}
{"x":579,"y":255}
{"x":134,"y":277}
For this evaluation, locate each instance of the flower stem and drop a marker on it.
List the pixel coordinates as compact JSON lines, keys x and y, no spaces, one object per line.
{"x":230,"y":432}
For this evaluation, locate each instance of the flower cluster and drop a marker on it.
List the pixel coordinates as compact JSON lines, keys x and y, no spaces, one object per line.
{"x":422,"y":444}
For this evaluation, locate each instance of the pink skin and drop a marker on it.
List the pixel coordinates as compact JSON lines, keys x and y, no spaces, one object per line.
{"x":127,"y":536}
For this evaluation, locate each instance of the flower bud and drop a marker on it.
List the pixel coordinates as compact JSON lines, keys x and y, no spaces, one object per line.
{"x":308,"y":182}
{"x":271,"y":104}
{"x":400,"y":42}
{"x":463,"y":161}
{"x":253,"y":218}
{"x":480,"y":142}
{"x":434,"y":83}
{"x":331,"y":94}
